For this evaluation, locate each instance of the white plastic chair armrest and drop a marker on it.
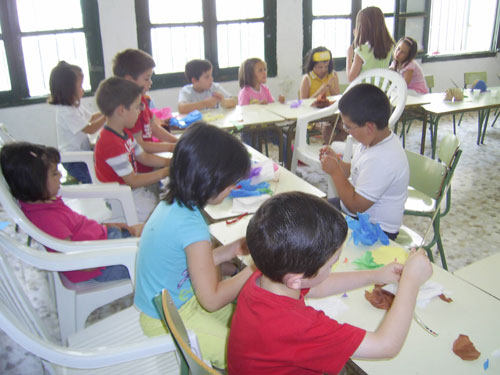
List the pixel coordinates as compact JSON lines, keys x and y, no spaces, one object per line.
{"x":86,"y":157}
{"x":77,"y":259}
{"x":88,"y":358}
{"x":122,"y":193}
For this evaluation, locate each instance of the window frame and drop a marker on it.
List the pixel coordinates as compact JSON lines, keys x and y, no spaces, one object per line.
{"x":12,"y":37}
{"x":400,"y":15}
{"x":209,"y":24}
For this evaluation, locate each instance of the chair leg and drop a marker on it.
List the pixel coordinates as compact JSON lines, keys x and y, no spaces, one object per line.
{"x":454,"y":127}
{"x":437,"y":234}
{"x":496,"y":114}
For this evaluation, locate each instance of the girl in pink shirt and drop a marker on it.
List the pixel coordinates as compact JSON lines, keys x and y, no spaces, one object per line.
{"x":33,"y":178}
{"x":252,"y":76}
{"x":404,"y":63}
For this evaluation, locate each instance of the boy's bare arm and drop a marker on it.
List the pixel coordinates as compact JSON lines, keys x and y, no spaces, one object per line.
{"x":387,"y":340}
{"x":161,"y":133}
{"x":152,"y":160}
{"x":185,"y":108}
{"x":154,"y":147}
{"x":339,"y":282}
{"x":135,"y":180}
{"x":346,"y":192}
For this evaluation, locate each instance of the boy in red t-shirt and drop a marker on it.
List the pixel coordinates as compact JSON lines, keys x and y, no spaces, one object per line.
{"x":117,"y":153}
{"x":294,"y":239}
{"x":137,"y":66}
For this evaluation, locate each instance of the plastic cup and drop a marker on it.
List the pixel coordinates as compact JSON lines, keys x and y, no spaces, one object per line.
{"x":475,"y":93}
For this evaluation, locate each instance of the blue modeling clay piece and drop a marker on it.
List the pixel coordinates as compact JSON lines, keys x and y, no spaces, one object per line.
{"x":486,"y":364}
{"x":186,"y":120}
{"x":365,"y":232}
{"x":4,"y":224}
{"x":246,"y":189}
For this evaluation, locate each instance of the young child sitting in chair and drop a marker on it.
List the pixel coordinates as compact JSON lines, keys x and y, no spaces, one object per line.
{"x":294,"y":239}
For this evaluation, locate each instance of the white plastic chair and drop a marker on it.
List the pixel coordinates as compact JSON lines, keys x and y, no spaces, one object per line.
{"x":114,"y":345}
{"x":390,"y":82}
{"x":76,"y":301}
{"x":93,"y":204}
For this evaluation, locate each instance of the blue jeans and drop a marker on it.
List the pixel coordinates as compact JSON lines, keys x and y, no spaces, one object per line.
{"x":118,"y":272}
{"x":79,"y":171}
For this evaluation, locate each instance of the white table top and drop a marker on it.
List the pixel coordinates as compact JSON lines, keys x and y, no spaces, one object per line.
{"x":287,"y":182}
{"x":240,"y":116}
{"x":472,"y":312}
{"x":484,"y":274}
{"x":438,"y":106}
{"x":289,"y":113}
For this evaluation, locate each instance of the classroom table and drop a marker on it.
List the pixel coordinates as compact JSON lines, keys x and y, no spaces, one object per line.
{"x":413,"y":111}
{"x":472,"y":312}
{"x":484,"y":274}
{"x":438,"y":107}
{"x":246,"y":117}
{"x":287,"y":182}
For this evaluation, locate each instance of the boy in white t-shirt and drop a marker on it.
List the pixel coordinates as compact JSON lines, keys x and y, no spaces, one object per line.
{"x":376,"y":181}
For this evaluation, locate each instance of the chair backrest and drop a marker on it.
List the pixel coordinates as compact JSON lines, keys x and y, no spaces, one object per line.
{"x":191,"y":362}
{"x":470,"y":77}
{"x":429,"y":80}
{"x":448,"y":148}
{"x":391,"y":83}
{"x":430,"y":176}
{"x":426,"y":175}
{"x":18,"y":318}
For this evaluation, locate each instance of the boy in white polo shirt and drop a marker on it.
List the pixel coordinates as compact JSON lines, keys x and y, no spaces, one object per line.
{"x":376,"y":181}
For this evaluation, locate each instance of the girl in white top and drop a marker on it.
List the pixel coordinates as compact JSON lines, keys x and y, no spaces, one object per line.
{"x":73,"y":121}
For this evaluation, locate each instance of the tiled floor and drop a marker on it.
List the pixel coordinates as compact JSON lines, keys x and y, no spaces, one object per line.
{"x":471,"y":231}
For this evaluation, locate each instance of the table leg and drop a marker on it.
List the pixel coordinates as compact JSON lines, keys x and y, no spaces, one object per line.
{"x":485,"y":124}
{"x":289,"y":136}
{"x":434,"y":127}
{"x":424,"y":131}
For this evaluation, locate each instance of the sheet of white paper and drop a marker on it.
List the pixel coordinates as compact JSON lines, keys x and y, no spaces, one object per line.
{"x":248,"y":204}
{"x":333,"y":307}
{"x":428,"y":291}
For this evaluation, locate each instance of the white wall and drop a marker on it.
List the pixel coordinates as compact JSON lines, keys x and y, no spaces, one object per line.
{"x":35,"y":123}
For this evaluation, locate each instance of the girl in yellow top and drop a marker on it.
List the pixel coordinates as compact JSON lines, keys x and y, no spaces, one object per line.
{"x":320,"y":78}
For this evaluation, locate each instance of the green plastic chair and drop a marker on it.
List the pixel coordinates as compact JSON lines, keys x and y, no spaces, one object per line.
{"x":429,"y":80}
{"x":191,"y":363}
{"x":428,"y":182}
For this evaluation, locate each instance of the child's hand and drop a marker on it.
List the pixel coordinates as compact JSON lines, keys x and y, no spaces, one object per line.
{"x":281,"y":99}
{"x":211,"y":102}
{"x":390,"y":273}
{"x":218,"y":96}
{"x":263,"y":101}
{"x":325,"y":151}
{"x":417,"y":267}
{"x":228,"y":102}
{"x":241,"y":247}
{"x":330,"y":163}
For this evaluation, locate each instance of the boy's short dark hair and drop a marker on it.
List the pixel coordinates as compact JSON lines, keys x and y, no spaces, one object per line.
{"x":206,"y":161}
{"x":195,"y":68}
{"x":366,"y":103}
{"x":132,"y":62}
{"x":294,"y":233}
{"x":25,"y":167}
{"x":116,"y":91}
{"x":62,"y":83}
